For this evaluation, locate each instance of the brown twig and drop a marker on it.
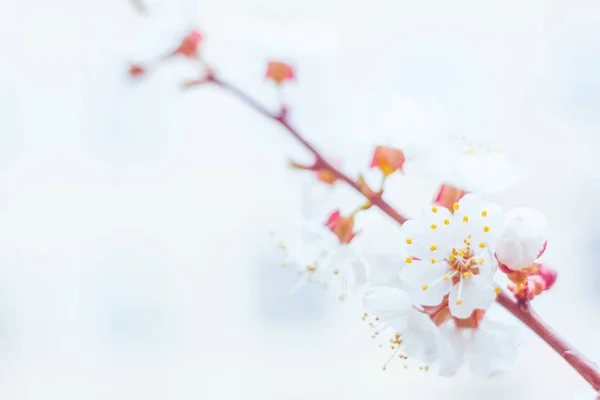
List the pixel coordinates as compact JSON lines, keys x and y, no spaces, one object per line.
{"x":587,"y":369}
{"x":320,"y":162}
{"x":523,"y":311}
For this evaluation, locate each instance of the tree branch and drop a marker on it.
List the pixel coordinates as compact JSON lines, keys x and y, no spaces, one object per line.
{"x":523,"y":311}
{"x":587,"y":369}
{"x":320,"y":162}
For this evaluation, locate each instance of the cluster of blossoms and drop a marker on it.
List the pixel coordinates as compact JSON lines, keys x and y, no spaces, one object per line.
{"x":432,"y":300}
{"x":428,"y":288}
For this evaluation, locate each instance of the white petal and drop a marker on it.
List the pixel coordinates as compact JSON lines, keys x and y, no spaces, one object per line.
{"x":524,"y":233}
{"x":390,"y":305}
{"x":476,"y":292}
{"x":385,"y":299}
{"x":414,"y":239}
{"x":344,"y":272}
{"x":429,"y":285}
{"x":491,"y":352}
{"x":479,"y":219}
{"x":421,"y":338}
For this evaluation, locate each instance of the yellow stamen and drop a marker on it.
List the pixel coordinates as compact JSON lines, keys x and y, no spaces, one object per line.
{"x":458,"y":302}
{"x":424,"y":287}
{"x":434,"y":209}
{"x":486,"y":228}
{"x":433,"y":226}
{"x":409,"y":260}
{"x":466,"y":274}
{"x":311,"y":268}
{"x":446,"y":222}
{"x":433,"y":260}
{"x":433,"y":247}
{"x":409,"y":241}
{"x":465,"y":218}
{"x":484,"y":213}
{"x":497,"y":290}
{"x":446,"y":277}
{"x":456,"y":206}
{"x":482,"y":245}
{"x":452,"y":257}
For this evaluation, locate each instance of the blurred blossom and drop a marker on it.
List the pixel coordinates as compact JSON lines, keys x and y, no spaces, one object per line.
{"x":273,"y":284}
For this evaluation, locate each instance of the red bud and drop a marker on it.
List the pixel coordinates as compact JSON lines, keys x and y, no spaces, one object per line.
{"x":136,"y":71}
{"x":279,"y":72}
{"x":546,"y":276}
{"x":189,"y":45}
{"x":326,"y":176}
{"x":342,"y":226}
{"x":387,"y":159}
{"x":448,"y":195}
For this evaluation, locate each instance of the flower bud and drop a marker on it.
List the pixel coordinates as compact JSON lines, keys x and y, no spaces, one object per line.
{"x":448,"y":195}
{"x":279,"y":72}
{"x":522,"y":239}
{"x":545,"y":275}
{"x":342,"y":227}
{"x":327,"y":176}
{"x":387,"y":159}
{"x":189,"y":45}
{"x":136,"y":71}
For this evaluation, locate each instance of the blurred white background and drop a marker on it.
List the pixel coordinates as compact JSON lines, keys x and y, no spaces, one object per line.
{"x":134,"y":255}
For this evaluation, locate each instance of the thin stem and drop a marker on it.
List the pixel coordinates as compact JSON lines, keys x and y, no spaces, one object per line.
{"x":587,"y":369}
{"x":320,"y":162}
{"x":523,"y":311}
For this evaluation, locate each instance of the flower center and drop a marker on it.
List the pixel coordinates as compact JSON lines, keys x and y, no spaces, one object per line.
{"x":463,"y":263}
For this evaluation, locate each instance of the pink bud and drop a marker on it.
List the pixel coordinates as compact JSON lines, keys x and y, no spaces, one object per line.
{"x":326,"y":176}
{"x":387,"y":159}
{"x":341,"y":226}
{"x":448,"y":195}
{"x":546,"y":275}
{"x":136,"y":71}
{"x":189,"y":45}
{"x":279,"y":72}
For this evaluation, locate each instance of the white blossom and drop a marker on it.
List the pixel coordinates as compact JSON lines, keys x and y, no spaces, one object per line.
{"x":410,"y":332}
{"x":320,"y":257}
{"x":489,"y":349}
{"x":523,"y":238}
{"x":463,"y":164}
{"x":452,"y":253}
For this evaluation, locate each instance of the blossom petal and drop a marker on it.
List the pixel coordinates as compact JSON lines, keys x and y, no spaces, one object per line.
{"x":391,"y":305}
{"x":414,"y":239}
{"x":493,"y":349}
{"x":524,"y":234}
{"x":422,"y":338}
{"x":478,"y":220}
{"x":385,"y":299}
{"x":427,"y":281}
{"x":476,"y":292}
